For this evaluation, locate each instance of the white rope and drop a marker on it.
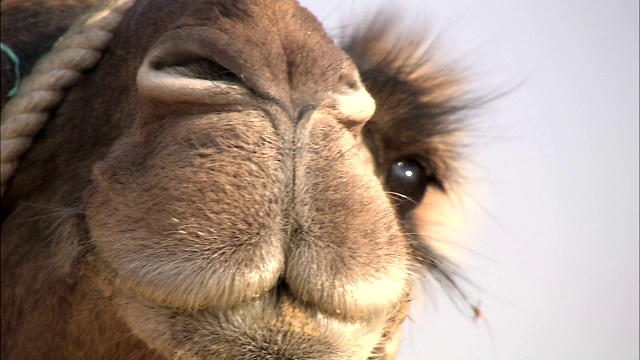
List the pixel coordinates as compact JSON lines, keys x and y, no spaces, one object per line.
{"x":78,"y":50}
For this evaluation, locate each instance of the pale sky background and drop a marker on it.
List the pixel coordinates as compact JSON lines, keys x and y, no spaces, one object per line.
{"x":556,"y":251}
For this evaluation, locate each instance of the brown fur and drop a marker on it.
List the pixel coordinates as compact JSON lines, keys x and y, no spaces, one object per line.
{"x":246,"y":220}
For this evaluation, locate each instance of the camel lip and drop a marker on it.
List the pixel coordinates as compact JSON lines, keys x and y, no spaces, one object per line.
{"x":274,"y":325}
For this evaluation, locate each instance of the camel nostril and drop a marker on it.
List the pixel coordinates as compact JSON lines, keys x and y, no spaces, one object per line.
{"x":355,"y":107}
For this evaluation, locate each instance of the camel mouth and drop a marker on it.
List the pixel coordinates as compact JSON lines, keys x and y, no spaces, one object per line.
{"x":286,"y":318}
{"x":273,"y":326}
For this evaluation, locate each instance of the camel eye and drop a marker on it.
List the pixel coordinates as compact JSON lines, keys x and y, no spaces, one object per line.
{"x":407,"y":181}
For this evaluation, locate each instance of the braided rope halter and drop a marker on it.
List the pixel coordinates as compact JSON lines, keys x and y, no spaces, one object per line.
{"x":78,"y":50}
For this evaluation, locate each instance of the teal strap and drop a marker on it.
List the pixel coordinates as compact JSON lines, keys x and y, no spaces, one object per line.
{"x":7,"y":50}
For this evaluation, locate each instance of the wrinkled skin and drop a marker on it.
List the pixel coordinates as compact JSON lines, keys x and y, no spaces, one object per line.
{"x":217,"y":188}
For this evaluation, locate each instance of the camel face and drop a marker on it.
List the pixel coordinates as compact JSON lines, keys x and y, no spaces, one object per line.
{"x":241,"y":188}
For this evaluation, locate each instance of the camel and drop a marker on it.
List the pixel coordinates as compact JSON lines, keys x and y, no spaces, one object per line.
{"x":215,"y":179}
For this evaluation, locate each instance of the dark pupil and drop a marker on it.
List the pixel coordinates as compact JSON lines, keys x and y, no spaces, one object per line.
{"x":407,"y":182}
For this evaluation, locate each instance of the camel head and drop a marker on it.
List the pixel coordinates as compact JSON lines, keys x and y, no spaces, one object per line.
{"x":234,"y":186}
